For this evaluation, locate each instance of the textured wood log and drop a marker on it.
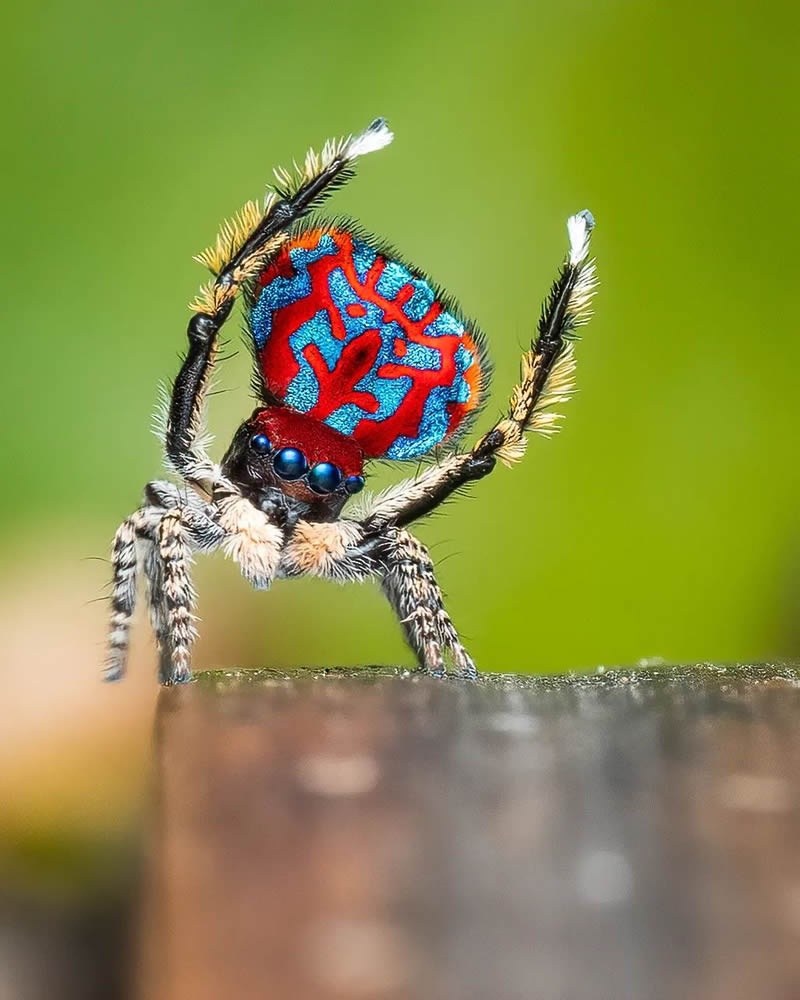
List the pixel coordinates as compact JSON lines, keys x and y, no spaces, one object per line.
{"x":625,"y":835}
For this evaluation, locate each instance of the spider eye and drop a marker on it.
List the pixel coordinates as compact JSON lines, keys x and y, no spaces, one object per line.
{"x":261,"y":444}
{"x":324,"y":477}
{"x":290,"y":463}
{"x":354,"y":484}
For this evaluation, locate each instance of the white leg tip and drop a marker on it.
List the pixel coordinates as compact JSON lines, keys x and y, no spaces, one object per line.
{"x":375,"y":136}
{"x":579,"y":227}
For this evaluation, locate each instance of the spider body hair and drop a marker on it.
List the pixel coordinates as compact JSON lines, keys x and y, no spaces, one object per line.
{"x":358,"y":357}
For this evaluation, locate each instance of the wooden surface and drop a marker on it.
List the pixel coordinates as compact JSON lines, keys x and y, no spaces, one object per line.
{"x":624,"y":835}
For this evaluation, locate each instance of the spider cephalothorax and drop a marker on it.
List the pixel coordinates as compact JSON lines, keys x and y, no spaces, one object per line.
{"x":280,"y":456}
{"x":358,"y":356}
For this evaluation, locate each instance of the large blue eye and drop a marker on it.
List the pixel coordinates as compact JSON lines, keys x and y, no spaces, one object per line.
{"x":290,"y":463}
{"x":261,"y":443}
{"x":354,"y":484}
{"x":324,"y":477}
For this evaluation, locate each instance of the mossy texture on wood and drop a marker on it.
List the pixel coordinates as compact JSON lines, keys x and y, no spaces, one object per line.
{"x":695,"y":676}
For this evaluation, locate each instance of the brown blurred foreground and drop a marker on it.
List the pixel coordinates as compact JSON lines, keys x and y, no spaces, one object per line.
{"x":327,"y":836}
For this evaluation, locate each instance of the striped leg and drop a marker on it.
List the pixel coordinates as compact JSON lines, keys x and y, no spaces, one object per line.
{"x":410,"y":585}
{"x":125,"y":563}
{"x":199,"y":531}
{"x":154,"y":575}
{"x":146,"y":536}
{"x":342,"y":552}
{"x":177,"y":628}
{"x":202,"y":529}
{"x":463,"y":662}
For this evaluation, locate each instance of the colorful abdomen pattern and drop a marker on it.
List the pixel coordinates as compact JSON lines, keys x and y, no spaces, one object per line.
{"x":359,"y":341}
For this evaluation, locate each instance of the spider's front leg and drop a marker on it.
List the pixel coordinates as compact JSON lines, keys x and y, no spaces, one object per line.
{"x":242,"y":249}
{"x":547,"y":379}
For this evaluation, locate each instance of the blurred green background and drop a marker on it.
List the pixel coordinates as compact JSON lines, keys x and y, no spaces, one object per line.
{"x":662,"y":521}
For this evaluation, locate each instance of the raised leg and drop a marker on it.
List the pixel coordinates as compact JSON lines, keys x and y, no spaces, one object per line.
{"x":243,"y":247}
{"x":547,"y":379}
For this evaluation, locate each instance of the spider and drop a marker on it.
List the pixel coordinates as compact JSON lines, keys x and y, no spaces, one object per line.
{"x":357,"y":356}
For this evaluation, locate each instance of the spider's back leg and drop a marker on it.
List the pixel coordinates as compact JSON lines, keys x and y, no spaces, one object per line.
{"x":409,"y":582}
{"x":178,"y":597}
{"x":125,"y":566}
{"x":164,"y":549}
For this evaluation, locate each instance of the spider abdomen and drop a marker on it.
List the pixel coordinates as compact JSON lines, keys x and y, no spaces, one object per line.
{"x":363,"y":343}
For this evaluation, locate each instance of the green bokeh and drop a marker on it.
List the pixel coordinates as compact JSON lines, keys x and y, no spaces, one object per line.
{"x":664,"y":519}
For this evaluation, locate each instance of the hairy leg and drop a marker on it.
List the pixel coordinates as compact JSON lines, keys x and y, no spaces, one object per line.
{"x":242,"y":249}
{"x":462,"y":661}
{"x":244,"y":533}
{"x":178,"y":597}
{"x":156,"y":600}
{"x":341,"y":551}
{"x":547,"y":380}
{"x":125,"y":565}
{"x":187,"y":523}
{"x":409,"y":582}
{"x":250,"y":539}
{"x":138,"y":539}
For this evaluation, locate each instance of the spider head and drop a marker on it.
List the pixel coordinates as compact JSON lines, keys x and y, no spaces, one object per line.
{"x":280,"y":451}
